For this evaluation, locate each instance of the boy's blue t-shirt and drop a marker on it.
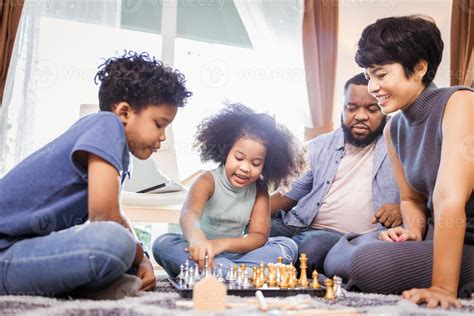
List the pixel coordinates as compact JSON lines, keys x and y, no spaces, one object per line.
{"x":47,"y":191}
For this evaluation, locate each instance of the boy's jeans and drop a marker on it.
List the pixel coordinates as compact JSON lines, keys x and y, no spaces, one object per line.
{"x":91,"y":256}
{"x":169,"y":253}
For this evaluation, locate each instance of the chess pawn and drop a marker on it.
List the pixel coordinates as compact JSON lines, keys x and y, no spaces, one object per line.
{"x":303,"y":281}
{"x":220,"y":273}
{"x":254,"y":275}
{"x":329,"y":290}
{"x":272,"y":275}
{"x":283,"y":277}
{"x":292,"y":281}
{"x":186,"y":271}
{"x":181,"y":273}
{"x":339,"y":291}
{"x":261,"y":275}
{"x":315,"y":284}
{"x":228,"y":274}
{"x":197,"y":275}
{"x":239,"y":277}
{"x":191,"y":281}
{"x":246,"y":282}
{"x":235,"y":273}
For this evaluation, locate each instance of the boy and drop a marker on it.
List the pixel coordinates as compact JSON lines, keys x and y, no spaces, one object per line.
{"x":45,"y":246}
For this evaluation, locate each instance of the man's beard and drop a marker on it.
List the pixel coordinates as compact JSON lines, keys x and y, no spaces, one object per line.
{"x":367,"y":140}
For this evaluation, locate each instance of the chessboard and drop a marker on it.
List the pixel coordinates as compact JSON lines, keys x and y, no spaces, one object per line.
{"x":273,"y":279}
{"x":186,"y":291}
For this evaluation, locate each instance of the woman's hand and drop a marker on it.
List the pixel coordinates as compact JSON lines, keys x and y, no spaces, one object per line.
{"x":146,"y":274}
{"x":198,"y":249}
{"x":398,"y":234}
{"x":433,"y":297}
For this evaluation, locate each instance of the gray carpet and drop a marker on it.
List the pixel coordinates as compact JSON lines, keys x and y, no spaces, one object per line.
{"x":165,"y":301}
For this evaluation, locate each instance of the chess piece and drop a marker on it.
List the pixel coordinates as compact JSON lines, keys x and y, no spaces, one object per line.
{"x":278,"y":265}
{"x":220,"y":273}
{"x":261,"y":276}
{"x":303,"y":281}
{"x":207,"y":270}
{"x":338,"y":290}
{"x":315,"y":284}
{"x":329,"y":290}
{"x":240,"y":277}
{"x":292,"y":281}
{"x":234,"y":273}
{"x":186,"y":271}
{"x":246,"y":282}
{"x":197,"y":275}
{"x":254,"y":275}
{"x":190,"y":281}
{"x":271,"y":275}
{"x":283,"y":277}
{"x":228,"y":276}
{"x":181,"y":273}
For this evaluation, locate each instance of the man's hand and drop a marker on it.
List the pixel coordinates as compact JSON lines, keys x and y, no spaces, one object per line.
{"x":388,"y":215}
{"x":146,"y":274}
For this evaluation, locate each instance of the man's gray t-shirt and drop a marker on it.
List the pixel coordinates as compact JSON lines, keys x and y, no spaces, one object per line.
{"x":47,"y":191}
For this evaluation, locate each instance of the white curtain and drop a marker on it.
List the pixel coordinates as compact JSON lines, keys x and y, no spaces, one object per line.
{"x":275,"y":31}
{"x":28,"y":74}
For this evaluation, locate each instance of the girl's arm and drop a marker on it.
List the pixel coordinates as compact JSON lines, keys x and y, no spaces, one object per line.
{"x":412,"y":203}
{"x":199,"y":246}
{"x":258,"y":230}
{"x":454,"y":185}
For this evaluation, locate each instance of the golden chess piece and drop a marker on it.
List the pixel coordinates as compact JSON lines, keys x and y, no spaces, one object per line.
{"x":283,"y":277}
{"x":293,"y":281}
{"x":278,"y":264}
{"x":261,"y":275}
{"x":254,"y":275}
{"x":303,"y":281}
{"x":315,"y":284}
{"x":271,"y":275}
{"x":329,"y":290}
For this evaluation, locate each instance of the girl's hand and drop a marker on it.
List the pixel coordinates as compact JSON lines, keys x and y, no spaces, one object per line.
{"x":198,"y":249}
{"x":146,"y":273}
{"x":433,"y":297}
{"x":219,"y":246}
{"x":398,"y":234}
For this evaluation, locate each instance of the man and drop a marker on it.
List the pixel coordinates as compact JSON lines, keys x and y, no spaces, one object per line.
{"x":349,"y":187}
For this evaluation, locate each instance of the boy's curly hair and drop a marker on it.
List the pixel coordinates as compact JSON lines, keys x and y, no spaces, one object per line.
{"x":217,"y":134}
{"x":140,"y":80}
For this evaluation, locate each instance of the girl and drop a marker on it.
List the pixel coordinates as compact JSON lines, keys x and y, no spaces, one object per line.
{"x":254,"y":154}
{"x":429,"y":143}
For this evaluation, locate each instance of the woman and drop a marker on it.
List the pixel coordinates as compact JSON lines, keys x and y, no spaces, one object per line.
{"x":428,"y":142}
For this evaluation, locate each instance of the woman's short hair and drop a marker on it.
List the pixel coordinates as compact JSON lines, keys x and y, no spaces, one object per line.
{"x":405,"y":40}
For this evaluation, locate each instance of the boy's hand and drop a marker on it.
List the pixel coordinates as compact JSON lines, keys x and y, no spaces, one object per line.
{"x":198,"y":249}
{"x":389,"y":215}
{"x":219,"y":246}
{"x":146,"y":274}
{"x":398,"y":234}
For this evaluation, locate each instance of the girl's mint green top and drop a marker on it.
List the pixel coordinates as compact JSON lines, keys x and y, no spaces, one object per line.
{"x":227,"y":212}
